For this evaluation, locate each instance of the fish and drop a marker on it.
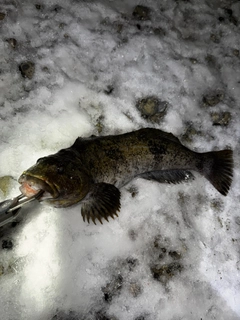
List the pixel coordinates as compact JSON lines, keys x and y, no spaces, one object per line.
{"x":93,"y":170}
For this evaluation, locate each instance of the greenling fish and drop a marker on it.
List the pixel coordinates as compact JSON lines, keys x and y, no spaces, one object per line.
{"x":93,"y":169}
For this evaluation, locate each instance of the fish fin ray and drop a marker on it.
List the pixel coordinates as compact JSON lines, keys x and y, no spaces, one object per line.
{"x":168,"y":176}
{"x":102,"y":201}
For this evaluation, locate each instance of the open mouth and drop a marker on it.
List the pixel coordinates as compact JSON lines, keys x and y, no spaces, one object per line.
{"x":30,"y":186}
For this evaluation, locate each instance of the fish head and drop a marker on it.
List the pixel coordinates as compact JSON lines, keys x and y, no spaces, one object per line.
{"x":63,"y":181}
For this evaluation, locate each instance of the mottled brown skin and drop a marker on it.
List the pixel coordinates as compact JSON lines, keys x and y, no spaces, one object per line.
{"x":93,"y":168}
{"x":118,"y":159}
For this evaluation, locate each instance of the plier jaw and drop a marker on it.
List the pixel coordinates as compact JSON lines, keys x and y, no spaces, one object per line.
{"x":9,"y":209}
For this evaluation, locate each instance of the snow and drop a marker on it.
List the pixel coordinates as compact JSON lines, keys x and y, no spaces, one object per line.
{"x":59,"y":266}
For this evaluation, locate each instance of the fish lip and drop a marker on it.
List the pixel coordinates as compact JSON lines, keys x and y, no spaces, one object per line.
{"x":38,"y":183}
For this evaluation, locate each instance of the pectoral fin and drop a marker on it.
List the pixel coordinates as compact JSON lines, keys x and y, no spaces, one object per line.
{"x":102,"y":201}
{"x":168,"y":176}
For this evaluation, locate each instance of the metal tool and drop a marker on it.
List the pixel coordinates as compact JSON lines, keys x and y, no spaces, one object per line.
{"x":9,"y":209}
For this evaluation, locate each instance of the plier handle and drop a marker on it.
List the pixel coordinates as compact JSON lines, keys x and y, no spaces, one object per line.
{"x":9,"y":209}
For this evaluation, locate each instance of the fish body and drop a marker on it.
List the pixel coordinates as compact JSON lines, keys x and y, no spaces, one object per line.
{"x":93,"y":169}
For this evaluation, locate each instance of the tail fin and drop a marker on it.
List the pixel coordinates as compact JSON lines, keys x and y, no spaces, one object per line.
{"x":218,"y":169}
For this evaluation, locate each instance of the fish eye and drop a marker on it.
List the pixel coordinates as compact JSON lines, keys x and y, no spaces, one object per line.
{"x":60,"y":169}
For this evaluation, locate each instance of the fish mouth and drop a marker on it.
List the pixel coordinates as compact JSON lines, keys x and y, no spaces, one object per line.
{"x":31,"y":185}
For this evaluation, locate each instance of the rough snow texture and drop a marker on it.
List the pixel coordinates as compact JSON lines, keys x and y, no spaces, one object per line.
{"x":173,"y":253}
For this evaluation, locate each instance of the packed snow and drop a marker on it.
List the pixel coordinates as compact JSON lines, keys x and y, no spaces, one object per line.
{"x":77,"y":68}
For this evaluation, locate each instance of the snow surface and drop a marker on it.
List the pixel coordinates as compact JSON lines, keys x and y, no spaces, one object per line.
{"x":62,"y":268}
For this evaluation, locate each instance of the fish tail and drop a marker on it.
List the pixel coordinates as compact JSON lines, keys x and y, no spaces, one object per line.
{"x":217,"y":167}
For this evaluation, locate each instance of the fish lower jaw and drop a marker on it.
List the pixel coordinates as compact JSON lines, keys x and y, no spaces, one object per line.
{"x":46,"y":196}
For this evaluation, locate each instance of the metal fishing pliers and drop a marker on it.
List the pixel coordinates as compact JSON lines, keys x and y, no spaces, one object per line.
{"x":9,"y":209}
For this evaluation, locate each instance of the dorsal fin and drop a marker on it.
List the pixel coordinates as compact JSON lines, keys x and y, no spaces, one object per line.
{"x":169,"y":136}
